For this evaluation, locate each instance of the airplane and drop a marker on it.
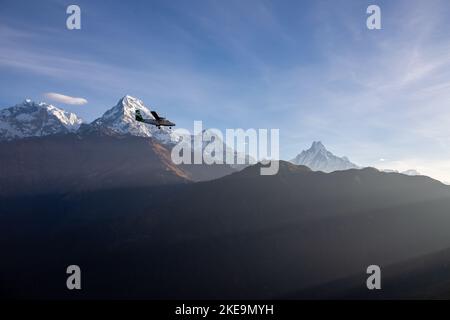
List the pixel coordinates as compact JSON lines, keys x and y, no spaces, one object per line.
{"x":158,"y":121}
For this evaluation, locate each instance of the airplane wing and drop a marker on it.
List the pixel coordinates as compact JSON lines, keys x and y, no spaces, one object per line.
{"x":155,"y":115}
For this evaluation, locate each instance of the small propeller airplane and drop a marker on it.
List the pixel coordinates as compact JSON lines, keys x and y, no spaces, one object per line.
{"x":158,"y":121}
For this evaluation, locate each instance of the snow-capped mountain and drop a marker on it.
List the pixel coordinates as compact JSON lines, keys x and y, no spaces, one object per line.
{"x":410,"y":172}
{"x":120,"y":119}
{"x":31,"y":119}
{"x":389,"y":171}
{"x":318,"y":158}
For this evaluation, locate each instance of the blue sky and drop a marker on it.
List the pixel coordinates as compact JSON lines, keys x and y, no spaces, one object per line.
{"x":310,"y":68}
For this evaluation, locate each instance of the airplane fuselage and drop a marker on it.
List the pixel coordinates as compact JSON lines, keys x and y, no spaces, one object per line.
{"x":159,"y":123}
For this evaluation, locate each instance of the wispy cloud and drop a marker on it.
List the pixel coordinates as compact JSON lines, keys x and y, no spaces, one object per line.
{"x":58,"y":97}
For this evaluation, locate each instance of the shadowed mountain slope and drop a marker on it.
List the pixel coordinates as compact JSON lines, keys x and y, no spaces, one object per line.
{"x":63,"y":163}
{"x":241,"y":236}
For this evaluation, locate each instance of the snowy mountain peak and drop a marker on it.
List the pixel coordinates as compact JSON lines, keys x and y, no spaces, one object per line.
{"x":31,"y":119}
{"x":120,"y":119}
{"x":318,"y":146}
{"x":318,"y":158}
{"x":124,"y":111}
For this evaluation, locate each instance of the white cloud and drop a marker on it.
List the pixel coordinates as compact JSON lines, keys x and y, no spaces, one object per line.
{"x":65,"y":99}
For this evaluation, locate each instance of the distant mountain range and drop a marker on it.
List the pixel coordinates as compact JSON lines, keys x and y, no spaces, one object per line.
{"x":45,"y":121}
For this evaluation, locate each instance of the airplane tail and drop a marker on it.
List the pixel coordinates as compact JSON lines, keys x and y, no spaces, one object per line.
{"x":138,"y":116}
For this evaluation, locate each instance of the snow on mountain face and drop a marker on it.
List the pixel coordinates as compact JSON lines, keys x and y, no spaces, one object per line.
{"x":121,"y":120}
{"x":31,"y":119}
{"x":411,"y":172}
{"x":318,"y":158}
